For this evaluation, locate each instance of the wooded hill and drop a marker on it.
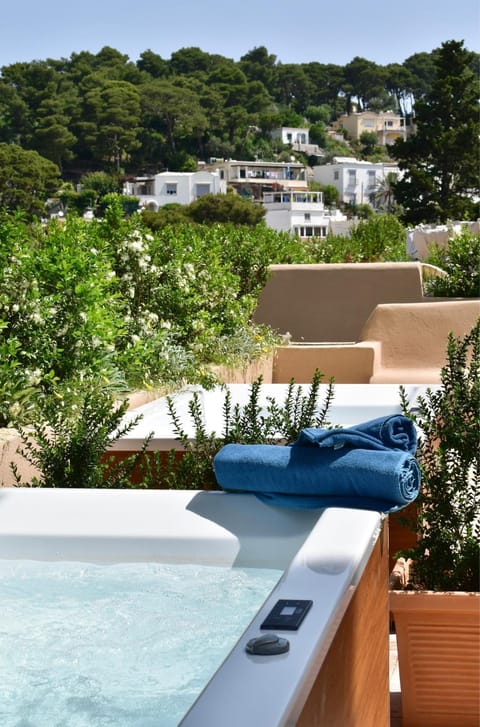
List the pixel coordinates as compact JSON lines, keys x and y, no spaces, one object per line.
{"x":105,"y":112}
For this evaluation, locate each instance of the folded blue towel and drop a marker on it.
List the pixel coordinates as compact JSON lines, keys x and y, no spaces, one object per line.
{"x":328,"y":468}
{"x":391,"y":432}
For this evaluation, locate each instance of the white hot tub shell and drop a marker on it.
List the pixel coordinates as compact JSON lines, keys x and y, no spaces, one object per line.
{"x":323,"y":554}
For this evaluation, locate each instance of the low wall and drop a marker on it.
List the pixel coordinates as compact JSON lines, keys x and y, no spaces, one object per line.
{"x":400,"y":343}
{"x":331,"y":303}
{"x":10,"y":442}
{"x":346,"y":363}
{"x":414,"y":338}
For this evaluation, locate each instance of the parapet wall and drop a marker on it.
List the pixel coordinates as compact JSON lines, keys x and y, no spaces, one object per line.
{"x":361,"y":322}
{"x":320,"y":303}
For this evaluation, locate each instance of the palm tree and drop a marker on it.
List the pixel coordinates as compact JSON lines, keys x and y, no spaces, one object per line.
{"x":384,"y":194}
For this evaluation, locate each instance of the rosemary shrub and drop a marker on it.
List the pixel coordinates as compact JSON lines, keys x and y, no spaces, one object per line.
{"x":446,"y":556}
{"x":276,"y":423}
{"x":73,"y":430}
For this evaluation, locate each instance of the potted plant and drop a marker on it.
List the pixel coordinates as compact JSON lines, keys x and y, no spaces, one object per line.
{"x":437,"y":617}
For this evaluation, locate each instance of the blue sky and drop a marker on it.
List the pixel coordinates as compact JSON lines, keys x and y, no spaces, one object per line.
{"x":295,"y":31}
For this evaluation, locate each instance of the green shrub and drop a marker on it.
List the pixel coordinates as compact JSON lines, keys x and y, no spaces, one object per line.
{"x":71,"y":432}
{"x":251,"y":424}
{"x":381,"y":238}
{"x":461,"y":262}
{"x":446,"y":556}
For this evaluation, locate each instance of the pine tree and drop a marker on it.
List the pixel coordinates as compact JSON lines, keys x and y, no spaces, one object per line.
{"x":440,"y":161}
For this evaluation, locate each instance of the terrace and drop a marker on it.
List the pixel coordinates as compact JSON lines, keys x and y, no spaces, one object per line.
{"x":355,"y":401}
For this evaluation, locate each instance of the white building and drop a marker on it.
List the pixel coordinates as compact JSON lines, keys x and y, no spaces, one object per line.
{"x":302,"y":214}
{"x":291,"y":135}
{"x":298,"y":139}
{"x":357,"y":181}
{"x":179,"y":187}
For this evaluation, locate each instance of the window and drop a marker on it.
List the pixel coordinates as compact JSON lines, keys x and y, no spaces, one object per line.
{"x":352,"y":177}
{"x":309,"y":231}
{"x":171,"y":188}
{"x":335,"y":175}
{"x":371,"y":179}
{"x":307,"y":216}
{"x":202,"y":189}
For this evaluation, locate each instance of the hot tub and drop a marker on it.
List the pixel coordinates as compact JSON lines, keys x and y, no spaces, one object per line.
{"x":325,"y":555}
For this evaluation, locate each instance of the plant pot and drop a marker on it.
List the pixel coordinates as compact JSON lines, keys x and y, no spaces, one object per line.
{"x":438,"y":640}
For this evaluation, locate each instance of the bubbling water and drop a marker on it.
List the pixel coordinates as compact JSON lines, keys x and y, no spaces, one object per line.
{"x":130,"y":644}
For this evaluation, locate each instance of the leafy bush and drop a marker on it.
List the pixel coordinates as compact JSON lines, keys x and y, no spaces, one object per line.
{"x":225,"y":208}
{"x":251,"y":424}
{"x":461,"y":261}
{"x":381,"y":238}
{"x":71,"y":431}
{"x":109,"y":298}
{"x":447,"y":553}
{"x":54,"y":284}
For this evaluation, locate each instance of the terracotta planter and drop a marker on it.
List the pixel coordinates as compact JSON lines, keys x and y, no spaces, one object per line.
{"x":438,"y":639}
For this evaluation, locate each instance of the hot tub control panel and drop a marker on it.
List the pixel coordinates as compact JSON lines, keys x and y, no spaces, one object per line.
{"x":287,"y":614}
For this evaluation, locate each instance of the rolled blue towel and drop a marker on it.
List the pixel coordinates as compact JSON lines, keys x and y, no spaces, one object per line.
{"x":390,"y":432}
{"x":314,"y":477}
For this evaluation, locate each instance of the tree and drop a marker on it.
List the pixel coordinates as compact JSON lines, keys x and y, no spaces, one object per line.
{"x":369,"y":142}
{"x":365,"y":80}
{"x":52,"y":137}
{"x":225,"y":208}
{"x":399,"y":83}
{"x":384,"y":194}
{"x":26,"y":179}
{"x":113,"y":120}
{"x":259,"y":65}
{"x":173,"y":111}
{"x":440,"y":162}
{"x":153,"y":64}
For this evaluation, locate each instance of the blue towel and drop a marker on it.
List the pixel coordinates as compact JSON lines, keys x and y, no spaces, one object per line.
{"x":390,"y":432}
{"x":328,"y":468}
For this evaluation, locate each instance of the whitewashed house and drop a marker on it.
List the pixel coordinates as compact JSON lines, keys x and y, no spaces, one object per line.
{"x":302,"y":214}
{"x":169,"y":187}
{"x":291,"y":135}
{"x":298,"y":139}
{"x":357,"y":181}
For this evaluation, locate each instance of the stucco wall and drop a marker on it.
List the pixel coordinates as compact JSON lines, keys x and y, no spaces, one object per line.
{"x":320,"y":303}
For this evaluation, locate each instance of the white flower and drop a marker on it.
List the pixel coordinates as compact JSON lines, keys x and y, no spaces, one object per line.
{"x":15,"y":409}
{"x":37,"y":318}
{"x":135,"y":246}
{"x":34,"y":377}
